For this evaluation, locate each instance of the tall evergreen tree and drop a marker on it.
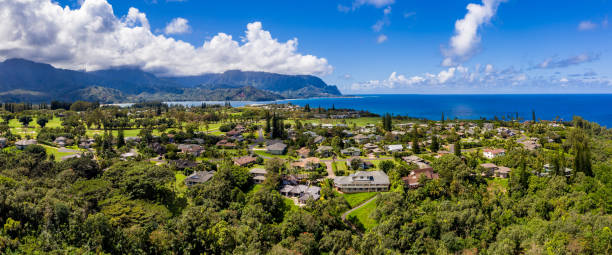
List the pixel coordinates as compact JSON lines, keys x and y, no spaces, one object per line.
{"x":435,"y":144}
{"x":458,"y":148}
{"x":120,"y":138}
{"x":533,"y":116}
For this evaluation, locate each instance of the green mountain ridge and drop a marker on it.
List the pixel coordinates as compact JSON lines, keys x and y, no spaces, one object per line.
{"x":27,"y":81}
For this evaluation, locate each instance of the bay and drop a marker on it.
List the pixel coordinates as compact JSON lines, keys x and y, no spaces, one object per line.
{"x":592,"y":107}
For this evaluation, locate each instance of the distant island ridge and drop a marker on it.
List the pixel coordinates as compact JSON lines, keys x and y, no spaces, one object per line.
{"x":27,"y":81}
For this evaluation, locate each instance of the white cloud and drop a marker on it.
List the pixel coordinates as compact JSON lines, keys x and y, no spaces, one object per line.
{"x":92,"y":37}
{"x":387,"y":10}
{"x":375,"y":3}
{"x":466,"y":38}
{"x":488,"y":68}
{"x":409,"y":14}
{"x":563,"y":79}
{"x":445,"y":75}
{"x":177,"y":26}
{"x":381,"y":39}
{"x":586,"y":25}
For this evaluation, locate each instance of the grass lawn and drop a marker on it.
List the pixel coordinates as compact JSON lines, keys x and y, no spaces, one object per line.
{"x":498,"y":184}
{"x":179,"y":185}
{"x":126,"y":133}
{"x":363,"y":215}
{"x":53,"y":151}
{"x":355,"y":199}
{"x":265,"y":154}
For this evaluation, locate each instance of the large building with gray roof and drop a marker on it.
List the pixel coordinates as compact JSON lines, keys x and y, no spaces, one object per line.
{"x":363,"y":181}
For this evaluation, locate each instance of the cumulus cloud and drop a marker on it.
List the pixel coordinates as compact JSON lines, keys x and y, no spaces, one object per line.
{"x":570,"y":61}
{"x":177,"y":26}
{"x":92,"y":37}
{"x":466,"y":38}
{"x":381,"y":39}
{"x":586,"y":25}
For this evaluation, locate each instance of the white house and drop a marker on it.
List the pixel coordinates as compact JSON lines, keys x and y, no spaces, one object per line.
{"x":492,"y":153}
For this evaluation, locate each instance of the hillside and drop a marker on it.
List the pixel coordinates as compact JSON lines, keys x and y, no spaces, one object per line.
{"x":27,"y":81}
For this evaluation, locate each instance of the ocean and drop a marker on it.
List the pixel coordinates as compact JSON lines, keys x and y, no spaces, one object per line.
{"x":592,"y":107}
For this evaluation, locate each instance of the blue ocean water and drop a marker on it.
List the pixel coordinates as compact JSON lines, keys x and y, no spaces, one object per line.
{"x":591,"y":107}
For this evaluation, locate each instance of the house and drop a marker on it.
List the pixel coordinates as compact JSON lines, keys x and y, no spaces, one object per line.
{"x":132,"y":139}
{"x":307,"y":164}
{"x":192,"y":149}
{"x":363,"y":181}
{"x":351,"y":151}
{"x":490,"y":169}
{"x":3,"y":142}
{"x":421,"y":163}
{"x":318,"y":139}
{"x":370,"y":146}
{"x":61,"y":141}
{"x":226,"y":144}
{"x":183,"y":164}
{"x":22,"y":144}
{"x":502,"y":172}
{"x":361,"y":139}
{"x":309,"y":133}
{"x":198,"y":177}
{"x":302,"y":192}
{"x":86,"y":143}
{"x":245,"y":161}
{"x":303,"y":152}
{"x":412,"y":180}
{"x":128,"y":155}
{"x":258,"y":175}
{"x":328,"y":126}
{"x":361,"y":164}
{"x":548,"y":169}
{"x":277,"y":148}
{"x":325,"y":151}
{"x":395,"y":148}
{"x":492,"y":153}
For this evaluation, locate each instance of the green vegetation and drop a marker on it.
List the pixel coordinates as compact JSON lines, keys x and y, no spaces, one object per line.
{"x":363,"y":215}
{"x":355,"y":199}
{"x":128,"y":196}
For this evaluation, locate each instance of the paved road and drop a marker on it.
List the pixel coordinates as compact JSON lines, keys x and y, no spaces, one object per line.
{"x":330,"y":170}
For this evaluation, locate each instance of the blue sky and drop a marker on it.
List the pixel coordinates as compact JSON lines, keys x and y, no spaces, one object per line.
{"x":363,"y":46}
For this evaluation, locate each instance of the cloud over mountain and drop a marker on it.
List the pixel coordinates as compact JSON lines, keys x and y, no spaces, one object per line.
{"x":92,"y":37}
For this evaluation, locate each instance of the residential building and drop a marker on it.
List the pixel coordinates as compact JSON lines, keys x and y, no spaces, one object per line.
{"x":361,"y":139}
{"x":363,"y":181}
{"x":198,"y":177}
{"x":22,"y":144}
{"x":310,"y":164}
{"x":245,"y":161}
{"x":3,"y":142}
{"x":325,"y":151}
{"x":421,"y":163}
{"x":412,"y":180}
{"x":503,"y":172}
{"x":395,"y":148}
{"x":351,"y":151}
{"x":490,"y":169}
{"x":277,"y":148}
{"x":258,"y":175}
{"x":492,"y":153}
{"x":303,"y":152}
